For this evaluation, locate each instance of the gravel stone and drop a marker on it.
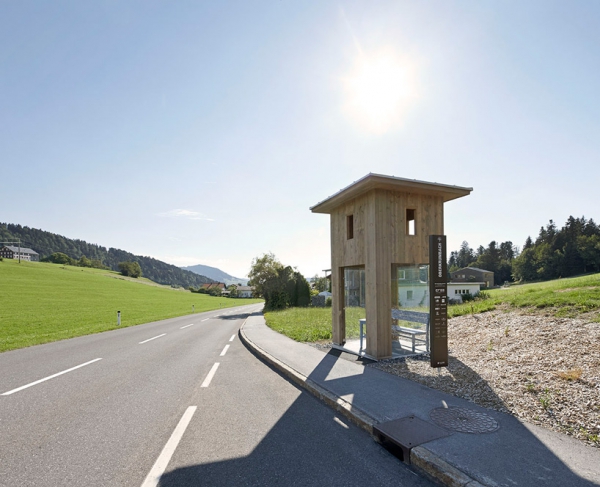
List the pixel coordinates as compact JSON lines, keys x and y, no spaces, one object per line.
{"x":542,"y":369}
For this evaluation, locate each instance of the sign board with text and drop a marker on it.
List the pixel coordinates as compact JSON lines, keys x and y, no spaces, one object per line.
{"x":438,"y":301}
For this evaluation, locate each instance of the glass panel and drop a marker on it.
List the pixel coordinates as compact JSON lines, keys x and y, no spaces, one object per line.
{"x":354,"y":299}
{"x":354,"y":287}
{"x":410,"y":283}
{"x":413,"y":287}
{"x":410,"y":300}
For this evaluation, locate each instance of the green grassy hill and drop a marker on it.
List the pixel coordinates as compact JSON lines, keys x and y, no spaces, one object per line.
{"x":47,"y":243}
{"x":570,"y":297}
{"x":41,"y":303}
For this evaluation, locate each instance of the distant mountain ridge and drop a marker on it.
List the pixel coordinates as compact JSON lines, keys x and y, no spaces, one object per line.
{"x":47,"y":243}
{"x":216,"y":274}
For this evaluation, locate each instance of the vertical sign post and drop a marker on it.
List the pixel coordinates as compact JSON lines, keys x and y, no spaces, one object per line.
{"x":438,"y":301}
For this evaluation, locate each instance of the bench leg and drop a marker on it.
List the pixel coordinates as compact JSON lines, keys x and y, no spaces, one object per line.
{"x":361,"y":337}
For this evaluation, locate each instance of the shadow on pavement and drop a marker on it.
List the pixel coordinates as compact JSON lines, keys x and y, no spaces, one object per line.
{"x":512,"y":455}
{"x":237,"y":316}
{"x":297,"y":451}
{"x":302,"y":449}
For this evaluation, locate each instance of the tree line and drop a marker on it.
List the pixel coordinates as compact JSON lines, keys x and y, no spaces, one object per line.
{"x":60,"y":258}
{"x":47,"y":243}
{"x":130,"y":269}
{"x":280,"y":286}
{"x":571,"y":250}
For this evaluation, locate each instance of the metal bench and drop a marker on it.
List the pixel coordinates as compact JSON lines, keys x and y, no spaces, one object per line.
{"x":415,"y":335}
{"x":411,"y":333}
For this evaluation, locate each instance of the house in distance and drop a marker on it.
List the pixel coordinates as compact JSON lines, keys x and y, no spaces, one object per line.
{"x":10,"y":252}
{"x":473,"y":274}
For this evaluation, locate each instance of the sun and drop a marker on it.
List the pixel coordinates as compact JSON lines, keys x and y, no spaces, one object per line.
{"x":379,"y":91}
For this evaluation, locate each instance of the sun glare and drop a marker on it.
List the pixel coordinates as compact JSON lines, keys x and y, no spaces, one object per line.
{"x":379,"y":91}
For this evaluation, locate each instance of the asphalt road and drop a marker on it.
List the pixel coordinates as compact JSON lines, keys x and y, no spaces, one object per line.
{"x":148,"y":405}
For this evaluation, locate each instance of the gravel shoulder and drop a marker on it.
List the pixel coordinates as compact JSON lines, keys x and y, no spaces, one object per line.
{"x":541,"y":369}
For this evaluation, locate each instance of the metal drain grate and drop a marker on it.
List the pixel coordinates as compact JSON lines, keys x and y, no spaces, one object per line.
{"x":463,"y":420}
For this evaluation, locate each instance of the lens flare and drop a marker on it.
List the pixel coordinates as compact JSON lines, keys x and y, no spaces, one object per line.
{"x":379,"y":91}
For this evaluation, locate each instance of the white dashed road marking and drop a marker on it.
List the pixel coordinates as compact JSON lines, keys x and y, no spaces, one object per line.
{"x":153,"y":338}
{"x":165,"y":455}
{"x":210,"y":375}
{"x":49,"y":377}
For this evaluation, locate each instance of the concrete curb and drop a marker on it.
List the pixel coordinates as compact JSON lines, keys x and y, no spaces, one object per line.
{"x":433,"y":466}
{"x":421,"y":458}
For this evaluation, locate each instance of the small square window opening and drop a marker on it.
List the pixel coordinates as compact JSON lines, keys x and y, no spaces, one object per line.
{"x":350,"y":227}
{"x":410,"y":222}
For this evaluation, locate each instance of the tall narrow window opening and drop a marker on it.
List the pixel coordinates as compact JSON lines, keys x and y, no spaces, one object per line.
{"x":410,"y":222}
{"x":349,"y":227}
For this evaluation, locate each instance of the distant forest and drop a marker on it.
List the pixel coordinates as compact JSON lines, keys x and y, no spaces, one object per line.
{"x":574,"y":249}
{"x":46,"y":243}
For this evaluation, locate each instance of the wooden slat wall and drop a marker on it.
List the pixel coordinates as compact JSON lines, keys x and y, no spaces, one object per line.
{"x":412,"y":249}
{"x":349,"y":252}
{"x":345,"y":253}
{"x":379,"y":246}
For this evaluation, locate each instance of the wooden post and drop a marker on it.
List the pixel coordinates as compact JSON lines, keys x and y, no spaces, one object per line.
{"x":338,"y":314}
{"x":378,"y":278}
{"x":394,"y":290}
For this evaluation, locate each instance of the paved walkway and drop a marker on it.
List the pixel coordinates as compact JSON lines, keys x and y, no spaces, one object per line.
{"x":516,"y":454}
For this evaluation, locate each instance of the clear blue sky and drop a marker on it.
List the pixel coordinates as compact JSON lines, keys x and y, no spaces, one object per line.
{"x":202,"y":132}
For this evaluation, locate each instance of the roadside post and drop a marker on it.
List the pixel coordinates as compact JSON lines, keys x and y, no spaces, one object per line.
{"x":438,"y":299}
{"x":118,"y":318}
{"x":193,"y":309}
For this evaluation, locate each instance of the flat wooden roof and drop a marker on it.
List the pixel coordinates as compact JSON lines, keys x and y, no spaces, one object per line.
{"x":378,"y":181}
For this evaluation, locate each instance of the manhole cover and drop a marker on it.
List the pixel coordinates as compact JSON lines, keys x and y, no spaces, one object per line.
{"x":463,"y":420}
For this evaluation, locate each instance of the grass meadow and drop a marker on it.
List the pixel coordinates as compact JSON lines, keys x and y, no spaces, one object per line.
{"x":569,"y":297}
{"x":311,"y":324}
{"x":42,"y":302}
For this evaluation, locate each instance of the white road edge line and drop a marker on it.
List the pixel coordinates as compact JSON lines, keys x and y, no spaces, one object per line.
{"x":210,"y":375}
{"x":205,"y":319}
{"x":224,"y":351}
{"x":167,"y":452}
{"x":232,"y":338}
{"x":153,"y":338}
{"x":192,"y":324}
{"x":49,"y":377}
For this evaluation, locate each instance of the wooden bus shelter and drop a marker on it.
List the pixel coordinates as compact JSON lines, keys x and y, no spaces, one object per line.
{"x":377,"y":223}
